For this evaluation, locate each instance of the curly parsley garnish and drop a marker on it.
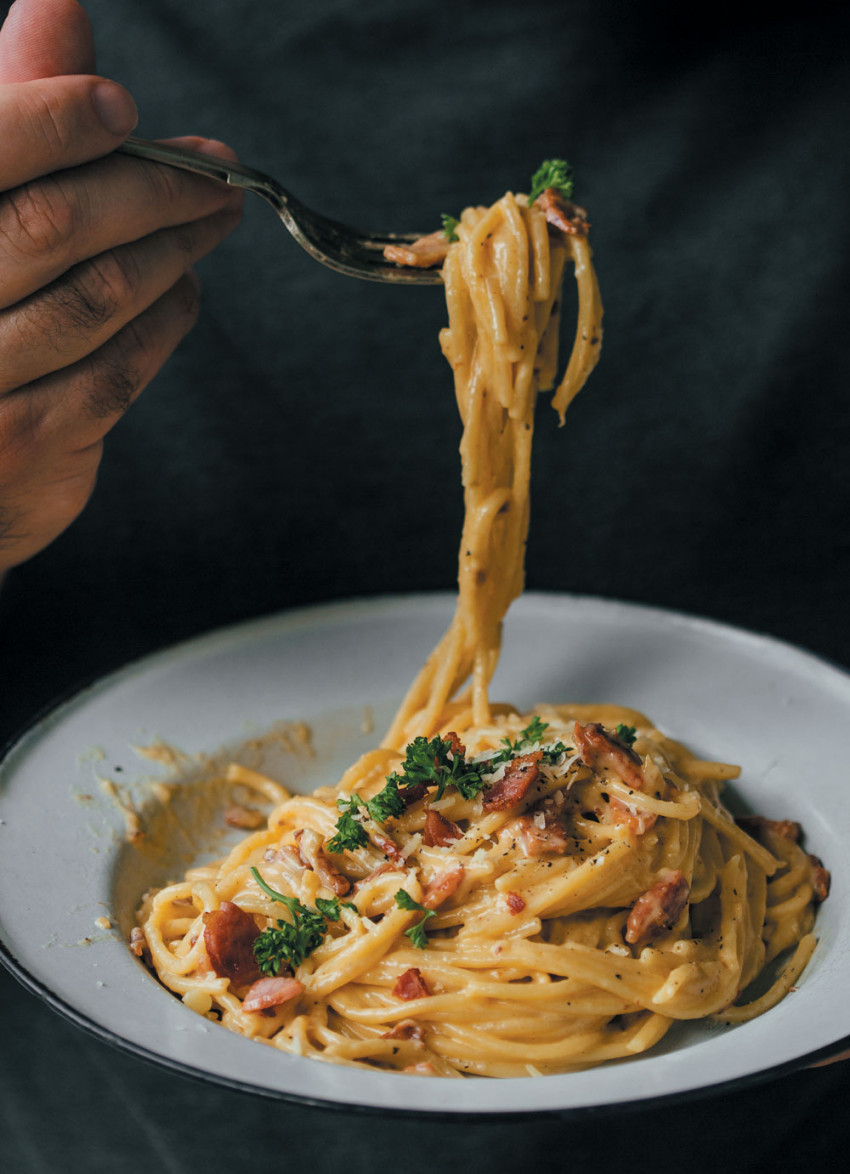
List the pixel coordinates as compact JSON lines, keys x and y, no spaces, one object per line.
{"x":387,"y":804}
{"x":416,"y":933}
{"x":532,"y":734}
{"x":450,"y":224}
{"x":427,"y":761}
{"x":552,"y":173}
{"x":350,"y":833}
{"x":288,"y":943}
{"x":626,"y":734}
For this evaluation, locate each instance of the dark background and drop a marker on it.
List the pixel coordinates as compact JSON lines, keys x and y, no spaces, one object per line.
{"x":301,"y":446}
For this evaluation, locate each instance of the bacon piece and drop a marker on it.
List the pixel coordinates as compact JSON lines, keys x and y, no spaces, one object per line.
{"x":272,"y":992}
{"x":406,"y":1029}
{"x":229,"y":936}
{"x":410,"y":985}
{"x":248,"y":818}
{"x":458,"y":748}
{"x":311,"y":850}
{"x":602,"y":750}
{"x":552,"y":836}
{"x":755,"y":825}
{"x":442,"y":887}
{"x":515,"y":904}
{"x":413,"y":794}
{"x":820,"y":879}
{"x":637,"y":821}
{"x":439,"y":831}
{"x":659,"y":907}
{"x":535,"y":841}
{"x":137,"y":941}
{"x":521,"y":774}
{"x":562,"y":213}
{"x":423,"y":253}
{"x":386,"y":844}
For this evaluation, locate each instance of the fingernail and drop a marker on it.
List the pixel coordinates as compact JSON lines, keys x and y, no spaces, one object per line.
{"x":115,"y":108}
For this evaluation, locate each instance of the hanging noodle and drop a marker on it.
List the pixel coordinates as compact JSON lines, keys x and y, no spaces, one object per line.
{"x":589,"y":891}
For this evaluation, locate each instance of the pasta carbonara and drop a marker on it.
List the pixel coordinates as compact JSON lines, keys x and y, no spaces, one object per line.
{"x":491,"y":893}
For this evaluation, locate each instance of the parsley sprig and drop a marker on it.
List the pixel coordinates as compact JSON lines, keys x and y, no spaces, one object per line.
{"x":350,"y":833}
{"x":416,"y":933}
{"x":532,"y":734}
{"x":626,"y":734}
{"x":450,"y":224}
{"x":552,"y":173}
{"x":427,"y":761}
{"x":288,"y":943}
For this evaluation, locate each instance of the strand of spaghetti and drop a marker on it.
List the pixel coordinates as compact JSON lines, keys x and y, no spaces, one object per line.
{"x":588,"y":340}
{"x":723,"y":823}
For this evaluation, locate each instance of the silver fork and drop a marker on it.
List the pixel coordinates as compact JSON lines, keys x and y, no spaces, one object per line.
{"x":347,"y":250}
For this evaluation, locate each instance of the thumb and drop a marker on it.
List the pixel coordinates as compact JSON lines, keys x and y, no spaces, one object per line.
{"x":45,"y":38}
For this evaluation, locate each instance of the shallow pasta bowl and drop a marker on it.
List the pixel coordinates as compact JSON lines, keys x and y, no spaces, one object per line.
{"x":131,"y":754}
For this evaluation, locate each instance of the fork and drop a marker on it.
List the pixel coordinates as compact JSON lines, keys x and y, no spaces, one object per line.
{"x":347,"y":250}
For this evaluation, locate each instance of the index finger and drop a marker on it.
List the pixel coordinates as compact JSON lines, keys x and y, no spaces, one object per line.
{"x":59,"y":122}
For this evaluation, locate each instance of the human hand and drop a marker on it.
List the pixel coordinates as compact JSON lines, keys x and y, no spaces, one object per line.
{"x":96,"y":250}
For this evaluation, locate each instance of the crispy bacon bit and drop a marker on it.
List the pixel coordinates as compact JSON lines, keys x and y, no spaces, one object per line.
{"x":442,"y":887}
{"x":422,"y":253}
{"x":229,"y":936}
{"x":602,"y":750}
{"x":537,"y":835}
{"x":458,"y":748}
{"x":636,"y":821}
{"x":385,"y":844}
{"x":272,"y":992}
{"x":562,"y":214}
{"x":521,"y":774}
{"x":413,"y":794}
{"x":311,"y":850}
{"x":515,"y":904}
{"x":406,"y":1029}
{"x":820,"y":879}
{"x":137,"y":941}
{"x":755,"y":825}
{"x":410,"y":985}
{"x":244,"y":817}
{"x":439,"y":831}
{"x":659,"y":907}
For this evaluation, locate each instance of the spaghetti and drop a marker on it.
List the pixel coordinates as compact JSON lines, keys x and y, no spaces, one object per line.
{"x":491,"y":893}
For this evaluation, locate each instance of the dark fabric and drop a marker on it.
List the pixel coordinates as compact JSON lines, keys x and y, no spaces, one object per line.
{"x":301,"y":446}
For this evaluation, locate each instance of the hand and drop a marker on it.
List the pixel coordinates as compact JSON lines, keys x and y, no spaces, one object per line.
{"x":96,"y":249}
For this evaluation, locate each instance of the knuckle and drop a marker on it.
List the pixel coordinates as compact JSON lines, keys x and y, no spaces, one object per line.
{"x":113,"y":278}
{"x":89,"y":296}
{"x":184,"y":239}
{"x":45,"y":122}
{"x":166,"y":183}
{"x":188,"y":294}
{"x":113,"y":388}
{"x":115,"y":375}
{"x":37,"y":218}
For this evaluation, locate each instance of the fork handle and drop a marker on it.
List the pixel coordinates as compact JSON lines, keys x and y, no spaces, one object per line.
{"x":234,"y":174}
